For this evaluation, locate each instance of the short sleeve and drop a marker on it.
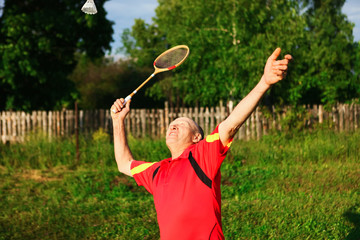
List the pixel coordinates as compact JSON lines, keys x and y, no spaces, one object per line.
{"x":209,"y":153}
{"x":143,"y":173}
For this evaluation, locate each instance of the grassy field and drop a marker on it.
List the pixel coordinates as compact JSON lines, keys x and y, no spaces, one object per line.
{"x":300,"y":186}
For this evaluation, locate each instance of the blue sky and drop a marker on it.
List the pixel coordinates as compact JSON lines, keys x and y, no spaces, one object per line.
{"x":352,"y":10}
{"x":123,"y":13}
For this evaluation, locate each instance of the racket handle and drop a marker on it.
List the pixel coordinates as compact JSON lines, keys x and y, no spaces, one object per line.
{"x":125,"y":101}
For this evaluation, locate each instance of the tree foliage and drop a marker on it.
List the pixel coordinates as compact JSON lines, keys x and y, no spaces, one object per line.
{"x":100,"y":82}
{"x":328,"y":55}
{"x":38,"y":42}
{"x":230,"y":41}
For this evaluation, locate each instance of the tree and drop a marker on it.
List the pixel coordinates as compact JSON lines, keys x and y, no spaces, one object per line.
{"x":38,"y":42}
{"x":100,"y":82}
{"x":230,"y":41}
{"x":143,"y":44}
{"x":356,"y":70}
{"x":329,"y":57}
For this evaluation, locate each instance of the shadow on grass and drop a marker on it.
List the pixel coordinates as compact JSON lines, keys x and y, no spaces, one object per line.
{"x":353,"y":216}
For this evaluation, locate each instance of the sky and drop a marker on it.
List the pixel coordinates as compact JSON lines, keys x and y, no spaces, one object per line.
{"x":124,"y":12}
{"x":352,"y":9}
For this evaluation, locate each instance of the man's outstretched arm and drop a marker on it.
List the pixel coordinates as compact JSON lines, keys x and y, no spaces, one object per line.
{"x":274,"y":71}
{"x":122,"y":151}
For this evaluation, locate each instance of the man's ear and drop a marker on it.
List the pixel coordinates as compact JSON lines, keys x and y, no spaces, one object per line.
{"x":196,"y":137}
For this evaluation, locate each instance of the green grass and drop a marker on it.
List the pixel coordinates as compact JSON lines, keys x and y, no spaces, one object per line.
{"x":302,"y":186}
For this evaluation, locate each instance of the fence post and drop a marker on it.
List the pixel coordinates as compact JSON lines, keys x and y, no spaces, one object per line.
{"x":230,"y":106}
{"x":212,"y":119}
{"x":356,"y":119}
{"x":196,"y":115}
{"x":207,"y":114}
{"x":222,"y":111}
{"x":3,"y":127}
{"x":346,"y":117}
{"x":161,"y":124}
{"x":15,"y":125}
{"x":23,"y":126}
{"x":153,"y":122}
{"x":273,"y":124}
{"x":248,"y":130}
{"x":143,"y":122}
{"x":321,"y":114}
{"x":258,"y":123}
{"x":191,"y":113}
{"x":166,"y":111}
{"x":351,"y":117}
{"x":242,"y":134}
{"x":334,"y":118}
{"x":39,"y":120}
{"x":253,"y":126}
{"x":50,"y":125}
{"x":341,"y":117}
{"x":77,"y":133}
{"x":108,"y":120}
{"x":217,"y":115}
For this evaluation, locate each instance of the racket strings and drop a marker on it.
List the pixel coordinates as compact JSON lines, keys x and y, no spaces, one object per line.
{"x":171,"y":58}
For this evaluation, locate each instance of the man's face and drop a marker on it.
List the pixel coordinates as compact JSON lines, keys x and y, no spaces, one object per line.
{"x":181,"y":131}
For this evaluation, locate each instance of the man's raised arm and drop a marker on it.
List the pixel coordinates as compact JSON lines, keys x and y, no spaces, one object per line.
{"x":274,"y":71}
{"x":122,"y":151}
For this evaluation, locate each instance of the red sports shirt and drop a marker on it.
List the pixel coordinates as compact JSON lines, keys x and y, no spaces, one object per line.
{"x":186,"y":190}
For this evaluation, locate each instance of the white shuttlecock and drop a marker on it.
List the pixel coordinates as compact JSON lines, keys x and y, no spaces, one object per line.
{"x":89,"y":7}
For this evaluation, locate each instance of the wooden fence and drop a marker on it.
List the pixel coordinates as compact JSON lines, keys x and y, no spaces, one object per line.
{"x":14,"y":126}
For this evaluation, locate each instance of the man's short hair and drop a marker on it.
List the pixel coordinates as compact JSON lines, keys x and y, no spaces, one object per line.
{"x":199,"y":130}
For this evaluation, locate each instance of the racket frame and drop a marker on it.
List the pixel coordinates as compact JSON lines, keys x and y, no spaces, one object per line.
{"x":158,"y":70}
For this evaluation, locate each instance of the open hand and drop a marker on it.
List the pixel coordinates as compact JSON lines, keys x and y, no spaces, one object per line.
{"x":276,"y":70}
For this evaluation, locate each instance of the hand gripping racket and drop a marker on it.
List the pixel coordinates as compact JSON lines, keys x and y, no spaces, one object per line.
{"x":166,"y":61}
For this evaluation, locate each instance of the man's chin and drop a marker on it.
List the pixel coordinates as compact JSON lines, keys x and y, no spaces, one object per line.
{"x":171,"y":139}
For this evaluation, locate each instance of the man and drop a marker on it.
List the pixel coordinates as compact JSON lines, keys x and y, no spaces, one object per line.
{"x":186,"y":187}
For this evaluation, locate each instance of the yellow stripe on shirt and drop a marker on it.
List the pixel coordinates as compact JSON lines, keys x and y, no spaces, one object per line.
{"x":213,"y":137}
{"x":141,"y":168}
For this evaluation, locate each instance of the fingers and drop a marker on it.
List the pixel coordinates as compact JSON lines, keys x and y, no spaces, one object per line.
{"x":118,"y":105}
{"x":288,"y":57}
{"x":278,"y":72}
{"x":281,"y":62}
{"x":280,"y":67}
{"x":275,"y":54}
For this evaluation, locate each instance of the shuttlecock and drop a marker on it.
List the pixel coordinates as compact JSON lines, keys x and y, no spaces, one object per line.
{"x":89,"y":7}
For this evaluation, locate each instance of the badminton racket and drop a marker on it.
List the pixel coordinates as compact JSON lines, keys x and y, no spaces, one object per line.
{"x":166,"y":61}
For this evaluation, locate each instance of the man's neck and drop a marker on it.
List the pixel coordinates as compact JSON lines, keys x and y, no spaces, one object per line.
{"x":177,"y":151}
{"x":176,"y":155}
